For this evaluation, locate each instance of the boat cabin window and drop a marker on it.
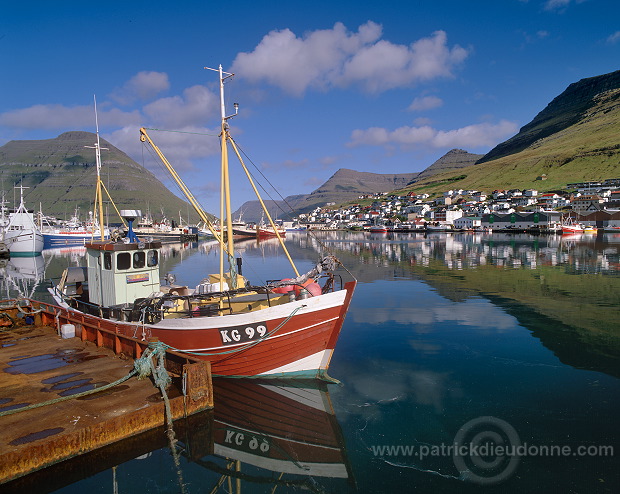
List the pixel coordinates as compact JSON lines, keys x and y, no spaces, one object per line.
{"x":123,"y":260}
{"x":151,"y":258}
{"x":107,"y":260}
{"x":138,"y":259}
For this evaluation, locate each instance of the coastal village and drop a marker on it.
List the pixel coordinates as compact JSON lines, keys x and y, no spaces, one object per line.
{"x":591,"y":204}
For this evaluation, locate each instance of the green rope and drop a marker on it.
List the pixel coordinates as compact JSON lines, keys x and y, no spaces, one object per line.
{"x":142,"y":368}
{"x":162,"y":380}
{"x":70,"y":397}
{"x":249,"y":344}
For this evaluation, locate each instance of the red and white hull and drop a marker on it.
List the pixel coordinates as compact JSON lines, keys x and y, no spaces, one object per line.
{"x":269,"y":233}
{"x":295,"y":339}
{"x":301,"y":337}
{"x":572,"y":229}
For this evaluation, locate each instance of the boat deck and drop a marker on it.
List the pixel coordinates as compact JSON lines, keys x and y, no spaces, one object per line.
{"x":38,"y":366}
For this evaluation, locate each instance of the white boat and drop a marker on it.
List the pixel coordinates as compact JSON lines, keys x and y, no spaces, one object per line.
{"x":285,"y":327}
{"x":22,"y":235}
{"x":439,"y":227}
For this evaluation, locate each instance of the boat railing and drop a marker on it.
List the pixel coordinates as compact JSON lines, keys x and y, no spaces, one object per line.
{"x":150,"y":310}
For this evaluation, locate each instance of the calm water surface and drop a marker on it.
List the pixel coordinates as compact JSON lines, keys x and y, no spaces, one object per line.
{"x":454,"y":347}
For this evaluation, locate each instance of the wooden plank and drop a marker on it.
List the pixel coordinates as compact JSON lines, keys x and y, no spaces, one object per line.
{"x":37,"y":365}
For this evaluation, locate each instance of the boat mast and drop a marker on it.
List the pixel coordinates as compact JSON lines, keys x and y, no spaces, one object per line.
{"x":225,"y":205}
{"x":225,"y":209}
{"x":98,"y":196}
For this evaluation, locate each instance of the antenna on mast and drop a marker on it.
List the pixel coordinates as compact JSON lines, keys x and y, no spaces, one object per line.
{"x":98,"y":197}
{"x":223,"y":76}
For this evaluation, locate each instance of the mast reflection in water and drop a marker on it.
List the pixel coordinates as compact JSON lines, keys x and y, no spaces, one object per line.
{"x":451,"y":338}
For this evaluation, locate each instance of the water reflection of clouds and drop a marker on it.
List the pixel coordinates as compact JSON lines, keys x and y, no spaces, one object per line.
{"x":473,"y":312}
{"x":384,"y":383}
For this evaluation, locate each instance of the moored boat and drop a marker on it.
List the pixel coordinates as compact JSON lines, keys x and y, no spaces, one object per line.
{"x":74,"y":232}
{"x":569,"y":227}
{"x":378,"y":229}
{"x":283,"y":328}
{"x":21,"y":235}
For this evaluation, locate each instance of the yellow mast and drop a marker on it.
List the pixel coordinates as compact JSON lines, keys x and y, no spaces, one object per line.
{"x":225,"y":207}
{"x":144,"y":137}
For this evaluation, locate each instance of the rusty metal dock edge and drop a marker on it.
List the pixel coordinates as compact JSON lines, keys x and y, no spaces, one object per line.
{"x":188,"y":373}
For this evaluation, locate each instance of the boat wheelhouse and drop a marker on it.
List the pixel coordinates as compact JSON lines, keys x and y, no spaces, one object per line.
{"x":284,"y":327}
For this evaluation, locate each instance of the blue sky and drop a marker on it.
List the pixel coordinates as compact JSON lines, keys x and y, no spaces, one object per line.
{"x":382,"y":87}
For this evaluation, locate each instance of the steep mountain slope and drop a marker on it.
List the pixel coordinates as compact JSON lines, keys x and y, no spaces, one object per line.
{"x":60,"y":174}
{"x":587,"y":150}
{"x":454,"y":159}
{"x":565,"y":110}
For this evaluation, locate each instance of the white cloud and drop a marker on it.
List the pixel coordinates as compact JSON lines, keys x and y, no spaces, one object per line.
{"x":192,"y":108}
{"x":471,"y":136}
{"x":65,"y":117}
{"x":339,"y":58}
{"x":142,"y":86}
{"x":180,"y":148}
{"x":614,"y":38}
{"x":478,"y":313}
{"x":425,"y":103}
{"x":559,"y":5}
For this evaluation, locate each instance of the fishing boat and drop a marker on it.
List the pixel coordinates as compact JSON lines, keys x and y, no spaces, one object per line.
{"x":439,"y":227}
{"x":21,"y":234}
{"x":378,"y":228}
{"x":269,"y":231}
{"x":74,"y":232}
{"x":569,"y":227}
{"x":284,"y":327}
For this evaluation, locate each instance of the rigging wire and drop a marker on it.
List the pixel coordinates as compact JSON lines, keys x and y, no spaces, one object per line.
{"x":321,"y":243}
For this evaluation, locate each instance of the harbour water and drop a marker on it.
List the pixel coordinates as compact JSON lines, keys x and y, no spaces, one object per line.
{"x":467,"y":363}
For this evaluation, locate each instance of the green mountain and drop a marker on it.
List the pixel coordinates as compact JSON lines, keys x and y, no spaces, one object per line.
{"x":564,"y":111}
{"x":574,"y":139}
{"x":61,"y":175}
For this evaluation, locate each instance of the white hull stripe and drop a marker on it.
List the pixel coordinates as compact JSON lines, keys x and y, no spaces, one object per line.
{"x":313,"y":398}
{"x":309,"y":363}
{"x":282,"y":311}
{"x":279,"y":436}
{"x":258,"y":340}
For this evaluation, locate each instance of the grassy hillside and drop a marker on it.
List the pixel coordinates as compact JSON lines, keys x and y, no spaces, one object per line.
{"x":587,"y":150}
{"x":60,"y":174}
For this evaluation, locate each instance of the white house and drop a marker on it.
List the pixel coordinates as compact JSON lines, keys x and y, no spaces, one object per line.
{"x":468,"y":222}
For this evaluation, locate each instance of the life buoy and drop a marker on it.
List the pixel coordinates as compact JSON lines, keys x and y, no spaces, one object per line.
{"x":283,"y":288}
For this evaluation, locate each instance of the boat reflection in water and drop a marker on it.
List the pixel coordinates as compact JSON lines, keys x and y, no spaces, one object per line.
{"x":279,"y":426}
{"x":20,"y":276}
{"x":260,"y":435}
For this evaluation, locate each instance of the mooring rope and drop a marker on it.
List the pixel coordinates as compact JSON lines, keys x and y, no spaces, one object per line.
{"x":162,"y":379}
{"x":141,"y":368}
